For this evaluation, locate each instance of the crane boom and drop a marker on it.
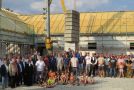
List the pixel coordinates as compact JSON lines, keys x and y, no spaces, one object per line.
{"x":63,"y":6}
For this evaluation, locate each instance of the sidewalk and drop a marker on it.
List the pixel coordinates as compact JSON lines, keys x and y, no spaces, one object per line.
{"x":101,"y":84}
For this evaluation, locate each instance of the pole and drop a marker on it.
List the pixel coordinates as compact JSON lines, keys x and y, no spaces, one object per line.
{"x":48,"y":18}
{"x":102,"y":39}
{"x":48,"y":38}
{"x":0,"y":4}
{"x":126,"y":38}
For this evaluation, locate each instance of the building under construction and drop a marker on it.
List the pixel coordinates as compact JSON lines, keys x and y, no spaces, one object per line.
{"x":102,"y":32}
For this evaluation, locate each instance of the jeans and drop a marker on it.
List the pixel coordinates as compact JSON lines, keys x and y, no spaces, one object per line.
{"x":4,"y":82}
{"x":112,"y":72}
{"x":107,"y":70}
{"x":88,"y":69}
{"x":80,"y":68}
{"x":92,"y":70}
{"x":74,"y":70}
{"x":40,"y":75}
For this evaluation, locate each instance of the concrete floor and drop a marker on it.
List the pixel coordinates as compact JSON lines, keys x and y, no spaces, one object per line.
{"x":101,"y":84}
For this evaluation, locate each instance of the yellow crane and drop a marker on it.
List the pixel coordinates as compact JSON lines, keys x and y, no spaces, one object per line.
{"x":64,"y":6}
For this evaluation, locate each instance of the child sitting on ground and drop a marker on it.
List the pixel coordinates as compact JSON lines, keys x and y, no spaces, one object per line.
{"x":51,"y":82}
{"x":84,"y":79}
{"x":63,"y":78}
{"x":72,"y":79}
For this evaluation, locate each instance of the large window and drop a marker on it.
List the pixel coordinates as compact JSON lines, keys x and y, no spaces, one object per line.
{"x":91,"y":45}
{"x":132,"y":45}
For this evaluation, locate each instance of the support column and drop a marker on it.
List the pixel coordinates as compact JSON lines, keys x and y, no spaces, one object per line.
{"x":71,"y":35}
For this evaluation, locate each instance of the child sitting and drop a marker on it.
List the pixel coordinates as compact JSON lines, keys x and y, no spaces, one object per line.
{"x":51,"y":80}
{"x":72,"y":79}
{"x":84,"y":79}
{"x":63,"y":78}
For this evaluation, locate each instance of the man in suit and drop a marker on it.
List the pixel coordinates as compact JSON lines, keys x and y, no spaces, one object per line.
{"x":4,"y":74}
{"x":20,"y":67}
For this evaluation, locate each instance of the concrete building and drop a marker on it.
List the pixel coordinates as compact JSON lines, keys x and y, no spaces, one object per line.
{"x":101,"y":32}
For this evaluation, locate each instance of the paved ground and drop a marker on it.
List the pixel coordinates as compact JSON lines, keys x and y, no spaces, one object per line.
{"x":101,"y":84}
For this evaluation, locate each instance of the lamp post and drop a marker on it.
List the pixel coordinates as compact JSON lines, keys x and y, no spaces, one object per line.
{"x":48,"y":18}
{"x":48,"y":41}
{"x":126,"y":37}
{"x":102,"y":38}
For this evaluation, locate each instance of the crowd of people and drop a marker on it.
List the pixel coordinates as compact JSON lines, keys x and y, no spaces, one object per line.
{"x":68,"y":67}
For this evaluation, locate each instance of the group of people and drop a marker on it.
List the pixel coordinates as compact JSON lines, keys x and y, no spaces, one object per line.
{"x":68,"y":67}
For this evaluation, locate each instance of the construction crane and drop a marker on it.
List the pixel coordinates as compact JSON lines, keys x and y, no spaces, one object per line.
{"x":64,"y":6}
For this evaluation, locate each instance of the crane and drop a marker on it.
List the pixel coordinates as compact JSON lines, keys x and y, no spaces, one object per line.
{"x":64,"y":6}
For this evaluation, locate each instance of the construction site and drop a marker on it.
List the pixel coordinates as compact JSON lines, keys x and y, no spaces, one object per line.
{"x":101,"y":32}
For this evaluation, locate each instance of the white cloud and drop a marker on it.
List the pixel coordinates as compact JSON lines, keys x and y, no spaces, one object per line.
{"x":56,"y":6}
{"x":38,"y":5}
{"x":91,"y":4}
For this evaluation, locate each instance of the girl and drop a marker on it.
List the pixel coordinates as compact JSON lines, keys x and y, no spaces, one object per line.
{"x":72,"y":79}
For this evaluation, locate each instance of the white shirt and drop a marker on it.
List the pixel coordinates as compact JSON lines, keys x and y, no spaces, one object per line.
{"x":40,"y":65}
{"x":74,"y":61}
{"x":59,"y":61}
{"x":88,"y":60}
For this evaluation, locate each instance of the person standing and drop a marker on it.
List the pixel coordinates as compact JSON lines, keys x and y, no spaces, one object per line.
{"x":101,"y":65}
{"x":40,"y":67}
{"x":81,"y":63}
{"x":113,"y":63}
{"x":59,"y":63}
{"x":88,"y":62}
{"x":4,"y":74}
{"x":93,"y":63}
{"x":74,"y":65}
{"x":13,"y":72}
{"x":107,"y":66}
{"x":121,"y":65}
{"x":20,"y":71}
{"x":29,"y":70}
{"x":52,"y":62}
{"x":66,"y":61}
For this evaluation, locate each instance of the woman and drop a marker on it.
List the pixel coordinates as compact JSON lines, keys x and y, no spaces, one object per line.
{"x":29,"y":70}
{"x":13,"y":72}
{"x":4,"y":74}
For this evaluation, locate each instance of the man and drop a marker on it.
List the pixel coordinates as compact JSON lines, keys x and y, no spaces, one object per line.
{"x":13,"y":72}
{"x":101,"y":65}
{"x":93,"y":63}
{"x":59,"y":63}
{"x":107,"y":67}
{"x":80,"y":63}
{"x":113,"y":62}
{"x":20,"y":67}
{"x":52,"y":62}
{"x":40,"y":67}
{"x":4,"y":74}
{"x":88,"y":62}
{"x":74,"y":65}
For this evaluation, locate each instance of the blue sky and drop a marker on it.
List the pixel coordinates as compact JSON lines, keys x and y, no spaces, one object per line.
{"x":35,"y":6}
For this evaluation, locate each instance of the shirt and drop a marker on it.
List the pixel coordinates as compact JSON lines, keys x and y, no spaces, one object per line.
{"x":74,"y":62}
{"x":59,"y":61}
{"x":88,"y":60}
{"x":40,"y":65}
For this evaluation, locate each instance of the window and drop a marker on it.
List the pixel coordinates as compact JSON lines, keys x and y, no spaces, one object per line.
{"x":132,"y":45}
{"x":91,"y":45}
